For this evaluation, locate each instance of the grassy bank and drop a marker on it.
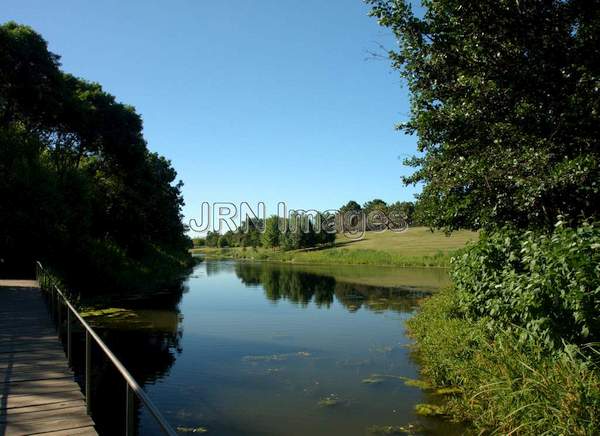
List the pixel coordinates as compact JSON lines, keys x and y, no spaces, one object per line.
{"x":416,"y":247}
{"x":505,"y":386}
{"x":517,"y":335}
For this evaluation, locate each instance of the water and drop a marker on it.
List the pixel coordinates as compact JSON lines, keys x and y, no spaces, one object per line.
{"x":265,"y":349}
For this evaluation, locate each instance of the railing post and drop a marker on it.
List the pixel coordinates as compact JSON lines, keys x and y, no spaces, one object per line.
{"x":60,"y":318}
{"x":88,"y":372}
{"x":53,"y":303}
{"x":129,"y":418}
{"x":69,"y":336}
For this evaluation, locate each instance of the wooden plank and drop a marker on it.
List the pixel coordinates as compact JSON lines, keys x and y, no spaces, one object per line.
{"x":35,"y":374}
{"x":32,"y":356}
{"x":26,"y":360}
{"x":68,"y":410}
{"x":39,"y":365}
{"x":81,"y":431}
{"x":38,"y":399}
{"x":31,"y":348}
{"x":28,"y":339}
{"x":38,"y":393}
{"x":11,"y":283}
{"x":44,"y":426}
{"x":39,"y":408}
{"x":30,"y":387}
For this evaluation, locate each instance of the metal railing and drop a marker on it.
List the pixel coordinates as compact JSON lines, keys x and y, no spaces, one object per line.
{"x":57,"y":297}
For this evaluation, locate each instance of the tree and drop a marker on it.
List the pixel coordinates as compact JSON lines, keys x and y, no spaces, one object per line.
{"x":375,"y":212}
{"x":212,"y":239}
{"x":403,"y":210}
{"x":270,"y":238}
{"x":251,"y":232}
{"x":351,"y":206}
{"x":79,"y":187}
{"x":327,"y":232}
{"x":374,"y":205}
{"x":505,"y":99}
{"x":349,"y":216}
{"x":199,"y":242}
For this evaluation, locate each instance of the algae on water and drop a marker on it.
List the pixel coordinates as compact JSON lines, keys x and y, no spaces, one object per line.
{"x":331,"y":400}
{"x":451,"y":390}
{"x":373,"y":380}
{"x":429,"y":410}
{"x":191,"y":430}
{"x":409,"y":429}
{"x":380,"y":378}
{"x":274,"y":357}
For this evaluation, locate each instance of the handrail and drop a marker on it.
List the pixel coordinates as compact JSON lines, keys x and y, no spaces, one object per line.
{"x":132,"y":386}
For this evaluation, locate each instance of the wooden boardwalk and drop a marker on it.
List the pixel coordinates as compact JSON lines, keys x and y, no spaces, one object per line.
{"x":38,"y":394}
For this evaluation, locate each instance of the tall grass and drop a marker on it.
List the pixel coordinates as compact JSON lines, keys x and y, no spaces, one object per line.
{"x":333,"y":256}
{"x":507,"y":386}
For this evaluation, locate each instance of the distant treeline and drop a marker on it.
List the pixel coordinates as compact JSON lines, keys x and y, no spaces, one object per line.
{"x":304,"y":230}
{"x":79,"y":188}
{"x":298,"y":231}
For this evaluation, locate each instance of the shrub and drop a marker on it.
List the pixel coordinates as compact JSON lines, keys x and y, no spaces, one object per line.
{"x":545,"y":287}
{"x":506,"y":386}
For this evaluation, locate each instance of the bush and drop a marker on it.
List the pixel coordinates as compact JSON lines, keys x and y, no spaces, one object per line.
{"x":506,"y":386}
{"x":545,"y":287}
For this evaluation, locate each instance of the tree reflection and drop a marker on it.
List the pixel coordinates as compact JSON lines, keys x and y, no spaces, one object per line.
{"x":147,"y":341}
{"x":301,"y":287}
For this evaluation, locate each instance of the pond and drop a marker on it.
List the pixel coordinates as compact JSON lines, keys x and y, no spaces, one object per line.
{"x":267,"y":349}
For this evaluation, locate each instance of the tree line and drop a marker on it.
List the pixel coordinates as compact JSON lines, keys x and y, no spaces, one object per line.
{"x":304,"y":230}
{"x":79,"y":188}
{"x":299,"y":231}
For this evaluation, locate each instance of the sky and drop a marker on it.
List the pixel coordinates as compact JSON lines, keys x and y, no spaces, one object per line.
{"x":251,"y":100}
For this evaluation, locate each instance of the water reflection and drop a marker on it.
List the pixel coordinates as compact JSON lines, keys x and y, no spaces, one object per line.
{"x":254,"y":349}
{"x":301,"y":287}
{"x":145,"y":334}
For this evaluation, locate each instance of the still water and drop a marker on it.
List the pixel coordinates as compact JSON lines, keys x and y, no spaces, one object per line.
{"x":265,"y":349}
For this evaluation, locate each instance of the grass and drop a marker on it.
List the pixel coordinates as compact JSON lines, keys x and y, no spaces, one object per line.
{"x":506,"y":386}
{"x":417,"y":246}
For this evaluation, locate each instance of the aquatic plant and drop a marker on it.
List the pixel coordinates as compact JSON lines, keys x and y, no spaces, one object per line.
{"x":331,"y":400}
{"x":192,"y":430}
{"x":373,"y":380}
{"x":430,"y":410}
{"x":274,"y":357}
{"x":409,"y":429}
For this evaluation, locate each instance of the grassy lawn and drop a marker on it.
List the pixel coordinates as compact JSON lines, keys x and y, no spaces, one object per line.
{"x":415,"y":247}
{"x":414,"y":242}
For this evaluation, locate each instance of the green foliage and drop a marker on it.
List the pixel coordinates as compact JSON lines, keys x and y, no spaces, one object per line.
{"x":199,"y":242}
{"x":270,"y":238}
{"x":507,"y":385}
{"x":505,"y":101}
{"x":544,"y":286}
{"x":379,"y":215}
{"x":79,"y":188}
{"x":373,"y":205}
{"x":212,"y":239}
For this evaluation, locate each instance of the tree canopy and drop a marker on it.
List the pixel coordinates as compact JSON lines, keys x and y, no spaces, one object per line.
{"x":505,"y":100}
{"x":79,"y":187}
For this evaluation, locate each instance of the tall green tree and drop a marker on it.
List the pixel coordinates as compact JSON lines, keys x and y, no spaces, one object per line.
{"x":505,"y":100}
{"x":270,"y":237}
{"x":78,"y":186}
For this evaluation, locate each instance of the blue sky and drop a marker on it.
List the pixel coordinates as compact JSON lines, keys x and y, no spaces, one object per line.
{"x":252,"y":100}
